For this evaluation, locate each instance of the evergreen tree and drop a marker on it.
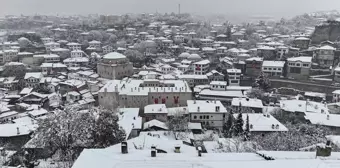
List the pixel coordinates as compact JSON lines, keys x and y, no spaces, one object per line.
{"x":238,"y":126}
{"x":247,"y":130}
{"x":227,"y":127}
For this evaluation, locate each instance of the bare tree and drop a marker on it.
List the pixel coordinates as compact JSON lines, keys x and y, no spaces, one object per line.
{"x":178,"y":123}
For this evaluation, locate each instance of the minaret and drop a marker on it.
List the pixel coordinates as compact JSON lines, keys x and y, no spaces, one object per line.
{"x":179,"y":9}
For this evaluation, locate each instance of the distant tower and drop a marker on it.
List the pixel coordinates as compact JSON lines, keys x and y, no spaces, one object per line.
{"x":179,"y":9}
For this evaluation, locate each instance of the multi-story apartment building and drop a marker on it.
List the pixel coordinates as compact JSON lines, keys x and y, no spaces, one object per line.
{"x":139,"y":93}
{"x":234,"y":76}
{"x":273,"y":68}
{"x":299,"y":67}
{"x":95,"y":44}
{"x":194,"y":80}
{"x":325,"y":56}
{"x":33,"y":79}
{"x":76,"y":53}
{"x":74,"y":46}
{"x":208,"y":113}
{"x":114,"y":66}
{"x":201,"y":67}
{"x":301,"y":42}
{"x":51,"y":45}
{"x":207,"y":42}
{"x":254,"y":66}
{"x":9,"y":55}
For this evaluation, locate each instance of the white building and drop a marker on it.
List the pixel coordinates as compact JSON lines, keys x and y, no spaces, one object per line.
{"x":156,"y":112}
{"x":76,"y":53}
{"x":139,"y":93}
{"x":299,"y":67}
{"x":51,"y":45}
{"x":74,"y":46}
{"x":254,"y":104}
{"x":76,"y":62}
{"x":9,"y":55}
{"x":201,"y":67}
{"x":207,"y":42}
{"x":95,"y":44}
{"x":336,"y":96}
{"x":234,"y":76}
{"x":273,"y":68}
{"x":33,"y":79}
{"x":218,"y":85}
{"x":208,"y":113}
{"x":46,"y":40}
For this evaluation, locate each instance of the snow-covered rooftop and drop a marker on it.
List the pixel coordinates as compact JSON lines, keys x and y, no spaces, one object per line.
{"x":262,"y":122}
{"x":327,"y":47}
{"x":155,"y":123}
{"x":300,"y":59}
{"x":139,"y":156}
{"x":331,"y":120}
{"x":133,"y":86}
{"x":303,"y":106}
{"x":155,"y":108}
{"x":205,"y":106}
{"x":247,"y":102}
{"x":273,"y":63}
{"x":36,"y":75}
{"x":129,"y":119}
{"x":114,"y":55}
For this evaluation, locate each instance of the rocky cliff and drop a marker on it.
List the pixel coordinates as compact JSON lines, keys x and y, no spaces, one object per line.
{"x":330,"y":30}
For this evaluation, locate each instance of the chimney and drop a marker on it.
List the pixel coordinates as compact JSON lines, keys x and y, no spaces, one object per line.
{"x":105,"y":90}
{"x":277,"y":126}
{"x":199,"y":151}
{"x":194,"y":101}
{"x":18,"y":131}
{"x":242,"y":92}
{"x":217,"y":108}
{"x":198,"y":109}
{"x":273,"y":126}
{"x":134,"y":118}
{"x":153,"y":151}
{"x":327,"y":116}
{"x":131,"y":89}
{"x":124,"y":147}
{"x":177,"y":149}
{"x":247,"y":98}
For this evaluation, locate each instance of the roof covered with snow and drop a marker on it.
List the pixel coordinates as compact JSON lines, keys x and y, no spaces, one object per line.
{"x":262,"y":122}
{"x":300,"y":59}
{"x":303,"y":106}
{"x":247,"y":102}
{"x":273,"y":63}
{"x":205,"y":106}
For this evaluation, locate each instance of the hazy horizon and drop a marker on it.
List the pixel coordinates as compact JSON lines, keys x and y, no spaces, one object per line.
{"x":273,"y":8}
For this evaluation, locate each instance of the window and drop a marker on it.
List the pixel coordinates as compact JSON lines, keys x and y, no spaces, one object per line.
{"x":208,"y":117}
{"x":269,"y":68}
{"x":203,"y":117}
{"x":295,"y":70}
{"x":279,"y":69}
{"x":200,"y":117}
{"x":195,"y":117}
{"x":274,"y":69}
{"x":298,"y":64}
{"x":305,"y":65}
{"x":265,"y":68}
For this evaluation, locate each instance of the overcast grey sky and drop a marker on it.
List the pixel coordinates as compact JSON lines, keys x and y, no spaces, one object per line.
{"x":276,"y":8}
